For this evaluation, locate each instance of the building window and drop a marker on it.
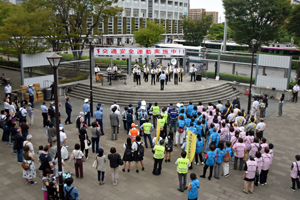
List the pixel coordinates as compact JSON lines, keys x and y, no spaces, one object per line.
{"x":110,"y":26}
{"x":164,"y":23}
{"x":89,"y":22}
{"x":156,"y":14}
{"x":176,"y":15}
{"x":170,"y":26}
{"x":170,"y":3}
{"x":143,"y":13}
{"x":128,"y":27}
{"x":136,"y":26}
{"x":135,"y":12}
{"x":156,"y":1}
{"x":162,"y":15}
{"x":176,"y":26}
{"x":144,"y":23}
{"x":180,"y":4}
{"x":100,"y":27}
{"x":120,"y":27}
{"x":163,"y":1}
{"x":128,"y":12}
{"x":176,"y":3}
{"x":170,"y":15}
{"x":185,"y":4}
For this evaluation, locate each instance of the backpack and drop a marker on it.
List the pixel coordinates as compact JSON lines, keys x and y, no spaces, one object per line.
{"x":128,"y":151}
{"x":140,"y":150}
{"x":170,"y":144}
{"x":19,"y":115}
{"x":68,"y":194}
{"x":180,"y":130}
{"x":78,"y":122}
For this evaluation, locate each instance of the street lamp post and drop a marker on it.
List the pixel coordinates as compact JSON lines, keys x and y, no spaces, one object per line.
{"x":91,"y":76}
{"x":54,"y":61}
{"x":250,"y":90}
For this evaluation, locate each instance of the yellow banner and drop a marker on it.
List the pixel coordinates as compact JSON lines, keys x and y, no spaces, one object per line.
{"x":190,"y":146}
{"x":157,"y":131}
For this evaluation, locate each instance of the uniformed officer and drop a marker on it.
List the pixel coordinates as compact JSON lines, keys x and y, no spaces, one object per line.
{"x":163,"y":78}
{"x":180,"y":73}
{"x":162,"y":122}
{"x":240,"y":120}
{"x":176,"y":74}
{"x":158,"y":72}
{"x":147,"y":128}
{"x":166,"y":74}
{"x":153,"y":72}
{"x":182,"y":168}
{"x":251,"y":126}
{"x":138,"y":76}
{"x":137,"y":110}
{"x":159,"y":154}
{"x":146,"y":73}
{"x":193,"y":72}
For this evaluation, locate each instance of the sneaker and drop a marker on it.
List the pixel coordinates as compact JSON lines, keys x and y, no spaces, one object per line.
{"x":226,"y":175}
{"x":68,"y":146}
{"x":262,"y":184}
{"x":198,"y":164}
{"x":202,"y":163}
{"x":7,"y":145}
{"x":166,"y":160}
{"x":87,"y":158}
{"x":202,"y":176}
{"x":195,"y":163}
{"x":266,"y":183}
{"x":143,"y":168}
{"x":258,"y":182}
{"x":33,"y":183}
{"x":293,"y":189}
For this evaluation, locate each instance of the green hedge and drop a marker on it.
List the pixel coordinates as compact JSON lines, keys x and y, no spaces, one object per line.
{"x":15,"y":64}
{"x":230,"y":77}
{"x":79,"y":77}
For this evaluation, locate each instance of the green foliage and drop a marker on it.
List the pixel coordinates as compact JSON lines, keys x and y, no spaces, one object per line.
{"x":14,"y":64}
{"x":80,"y":76}
{"x":149,"y":35}
{"x":230,"y":77}
{"x":259,"y":19}
{"x":216,"y":32}
{"x":293,"y":25}
{"x":195,"y":30}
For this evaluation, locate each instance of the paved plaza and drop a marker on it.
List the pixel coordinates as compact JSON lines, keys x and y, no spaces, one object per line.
{"x":281,"y":131}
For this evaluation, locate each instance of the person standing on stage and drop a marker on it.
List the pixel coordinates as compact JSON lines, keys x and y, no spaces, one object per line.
{"x":153,"y":72}
{"x":176,"y":74}
{"x":170,"y":71}
{"x":138,"y":76}
{"x":158,"y":72}
{"x":166,"y":74}
{"x":144,"y":70}
{"x":146,"y":73}
{"x":162,"y":78}
{"x":115,"y":68}
{"x":96,"y":70}
{"x":193,"y":73}
{"x":134,"y":73}
{"x":180,"y":74}
{"x":108,"y":68}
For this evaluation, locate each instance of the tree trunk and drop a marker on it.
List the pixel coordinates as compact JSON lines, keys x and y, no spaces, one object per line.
{"x":233,"y":65}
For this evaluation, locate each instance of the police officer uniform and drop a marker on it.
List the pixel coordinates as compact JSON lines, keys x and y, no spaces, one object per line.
{"x":153,"y":72}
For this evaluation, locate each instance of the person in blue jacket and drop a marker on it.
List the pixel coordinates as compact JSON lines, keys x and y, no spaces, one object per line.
{"x":219,"y":161}
{"x":194,"y":111}
{"x":182,"y":113}
{"x":199,"y":128}
{"x":199,"y":149}
{"x":193,"y":187}
{"x":209,"y":138}
{"x":210,"y":162}
{"x":129,"y":119}
{"x":214,"y":137}
{"x":70,"y":189}
{"x":182,"y":107}
{"x":190,"y":108}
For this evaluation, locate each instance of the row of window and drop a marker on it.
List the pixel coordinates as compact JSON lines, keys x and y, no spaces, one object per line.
{"x":157,"y":14}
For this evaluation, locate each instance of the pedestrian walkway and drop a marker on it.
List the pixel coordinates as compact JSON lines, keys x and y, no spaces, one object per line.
{"x":281,"y":131}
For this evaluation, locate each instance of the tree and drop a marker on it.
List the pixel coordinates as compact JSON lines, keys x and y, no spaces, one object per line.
{"x":70,"y":16}
{"x":149,"y":35}
{"x":216,"y":32}
{"x":256,"y":19}
{"x":20,"y":34}
{"x":195,"y":30}
{"x":293,"y":25}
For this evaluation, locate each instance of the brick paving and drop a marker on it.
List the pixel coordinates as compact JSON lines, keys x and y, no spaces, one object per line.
{"x":282,"y":132}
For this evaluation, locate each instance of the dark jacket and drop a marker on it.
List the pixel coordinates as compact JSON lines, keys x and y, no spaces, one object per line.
{"x":19,"y":139}
{"x":68,"y":107}
{"x":236,"y":102}
{"x":114,"y":160}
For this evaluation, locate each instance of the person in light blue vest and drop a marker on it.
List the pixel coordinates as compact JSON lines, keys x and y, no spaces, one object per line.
{"x":219,"y":161}
{"x":199,"y":149}
{"x":210,"y":162}
{"x":199,"y":128}
{"x":182,"y":107}
{"x":193,"y":187}
{"x":182,"y":113}
{"x":194,"y":112}
{"x":215,"y":137}
{"x":192,"y":128}
{"x":209,"y":139}
{"x":143,"y":115}
{"x":190,"y":108}
{"x":86,"y":110}
{"x":180,"y":130}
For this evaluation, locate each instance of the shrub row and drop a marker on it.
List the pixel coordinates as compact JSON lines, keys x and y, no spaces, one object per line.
{"x":230,"y":77}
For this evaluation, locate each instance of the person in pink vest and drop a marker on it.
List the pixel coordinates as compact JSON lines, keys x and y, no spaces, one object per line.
{"x":295,"y":173}
{"x":266,"y":161}
{"x":242,"y":133}
{"x":263,"y":145}
{"x":258,"y":160}
{"x":239,"y":149}
{"x":249,"y":139}
{"x":224,"y":132}
{"x":254,"y":147}
{"x":249,"y":174}
{"x":271,"y":146}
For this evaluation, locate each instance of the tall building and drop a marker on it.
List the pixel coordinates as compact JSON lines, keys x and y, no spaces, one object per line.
{"x":198,"y":13}
{"x":135,"y":14}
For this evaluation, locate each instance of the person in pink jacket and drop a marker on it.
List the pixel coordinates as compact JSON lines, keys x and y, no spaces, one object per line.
{"x":266,"y":162}
{"x":254,"y":147}
{"x":295,"y":170}
{"x":249,"y":139}
{"x":258,"y":160}
{"x":249,"y":174}
{"x":263,"y":145}
{"x":239,"y":148}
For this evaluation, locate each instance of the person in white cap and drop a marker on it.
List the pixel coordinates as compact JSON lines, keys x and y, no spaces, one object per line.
{"x":63,"y":136}
{"x":86,"y":110}
{"x":143,"y":115}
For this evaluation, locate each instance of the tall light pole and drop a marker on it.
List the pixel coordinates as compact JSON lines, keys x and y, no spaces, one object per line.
{"x":253,"y":41}
{"x":54,"y":61}
{"x":91,"y":76}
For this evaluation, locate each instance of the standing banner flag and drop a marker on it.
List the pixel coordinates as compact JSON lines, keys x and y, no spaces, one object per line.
{"x":157,"y":131}
{"x":190,"y":146}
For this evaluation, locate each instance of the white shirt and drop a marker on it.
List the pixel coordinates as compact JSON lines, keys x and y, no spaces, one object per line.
{"x":23,"y":111}
{"x":255,"y":105}
{"x":109,"y":69}
{"x":6,"y":106}
{"x":115,"y":68}
{"x":63,"y":136}
{"x":77,"y":154}
{"x":154,"y":140}
{"x":153,"y":71}
{"x":27,"y":143}
{"x":219,"y":106}
{"x":230,"y":116}
{"x":8,"y":89}
{"x":170,"y":68}
{"x":138,"y":72}
{"x":145,"y":69}
{"x":176,"y":71}
{"x":158,"y":69}
{"x":97,"y":69}
{"x":192,"y":69}
{"x":134,"y":146}
{"x":261,"y":126}
{"x":134,"y":70}
{"x":112,"y":106}
{"x":12,"y":110}
{"x":296,"y":88}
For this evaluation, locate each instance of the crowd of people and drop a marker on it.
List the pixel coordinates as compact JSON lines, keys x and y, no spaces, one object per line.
{"x":224,"y":136}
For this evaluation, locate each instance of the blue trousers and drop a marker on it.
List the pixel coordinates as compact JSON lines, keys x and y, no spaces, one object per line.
{"x":87,"y":116}
{"x":173,"y":124}
{"x":125,"y":125}
{"x":20,"y":155}
{"x":31,"y":99}
{"x":95,"y":140}
{"x":101,"y":178}
{"x":101,"y":125}
{"x":150,"y":140}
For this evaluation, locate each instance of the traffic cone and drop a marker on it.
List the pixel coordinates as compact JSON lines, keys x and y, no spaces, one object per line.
{"x":247,"y":91}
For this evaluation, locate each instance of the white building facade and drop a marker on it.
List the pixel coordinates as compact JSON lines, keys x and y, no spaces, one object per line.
{"x":119,"y":30}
